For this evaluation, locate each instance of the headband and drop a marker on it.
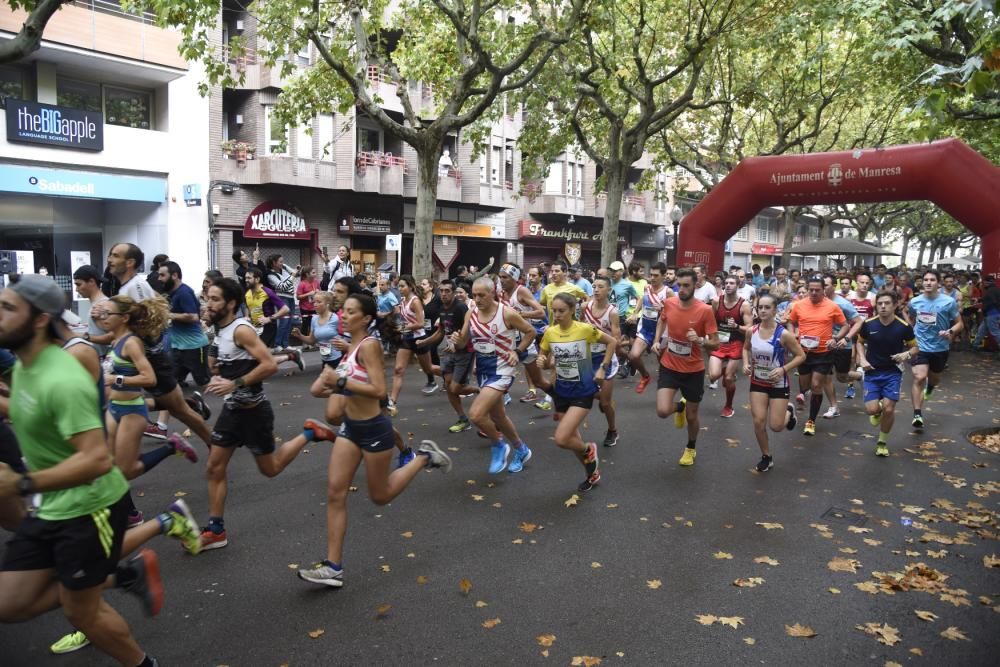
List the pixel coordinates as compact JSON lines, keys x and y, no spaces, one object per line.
{"x":511,"y":271}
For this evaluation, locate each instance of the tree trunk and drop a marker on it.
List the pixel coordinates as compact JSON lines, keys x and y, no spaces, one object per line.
{"x":423,"y":232}
{"x":905,"y":248}
{"x":615,"y":175}
{"x":920,"y":255}
{"x":789,"y":240}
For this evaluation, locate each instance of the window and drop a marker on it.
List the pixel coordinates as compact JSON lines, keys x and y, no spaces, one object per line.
{"x":553,"y":182}
{"x":304,"y":142}
{"x":128,"y":108}
{"x":302,"y":57}
{"x":274,"y":133}
{"x":326,"y":137}
{"x":81,"y":95}
{"x":482,"y":169}
{"x":496,"y":159}
{"x":579,"y":180}
{"x":14,"y":83}
{"x":767,"y":230}
{"x":369,"y":140}
{"x":743,"y":234}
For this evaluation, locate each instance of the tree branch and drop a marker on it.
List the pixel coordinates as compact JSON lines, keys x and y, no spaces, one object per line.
{"x":29,"y":38}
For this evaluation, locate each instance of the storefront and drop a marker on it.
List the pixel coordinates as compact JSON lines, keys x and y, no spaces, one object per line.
{"x":577,"y":243}
{"x":649,"y":244}
{"x":277,"y":227}
{"x":763,"y":254}
{"x":467,"y":244}
{"x":367,"y":232}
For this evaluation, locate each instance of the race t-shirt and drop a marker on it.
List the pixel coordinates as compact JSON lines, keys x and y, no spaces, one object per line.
{"x":263,"y":303}
{"x":571,"y":351}
{"x":706,"y":293}
{"x":930,"y":318}
{"x":679,"y":354}
{"x":452,"y":319}
{"x":186,"y":335}
{"x":52,"y":401}
{"x":552,"y":289}
{"x":849,"y":311}
{"x":815,"y":322}
{"x":882,"y":341}
{"x":138,"y":288}
{"x":623,"y":295}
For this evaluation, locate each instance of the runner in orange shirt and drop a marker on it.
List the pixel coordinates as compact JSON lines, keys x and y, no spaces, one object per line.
{"x":689,"y":326}
{"x":813,"y":318}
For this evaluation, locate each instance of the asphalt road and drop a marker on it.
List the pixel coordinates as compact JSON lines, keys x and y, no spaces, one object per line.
{"x":620,"y":576}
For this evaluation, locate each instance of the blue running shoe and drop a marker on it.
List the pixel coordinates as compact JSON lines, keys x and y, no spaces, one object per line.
{"x":521,"y":456}
{"x":498,"y":461}
{"x":406,"y":456}
{"x":506,"y":399}
{"x":849,"y":392}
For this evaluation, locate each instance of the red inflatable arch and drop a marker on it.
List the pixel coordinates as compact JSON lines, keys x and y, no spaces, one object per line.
{"x":947,"y":173}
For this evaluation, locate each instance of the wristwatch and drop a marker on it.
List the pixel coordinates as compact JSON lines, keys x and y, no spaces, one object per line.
{"x":341,"y":383}
{"x":25,"y":485}
{"x":240,"y":382}
{"x":119,"y":381}
{"x":86,"y":336}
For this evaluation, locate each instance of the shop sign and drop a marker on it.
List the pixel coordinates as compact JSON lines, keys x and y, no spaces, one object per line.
{"x":276,"y":220}
{"x":37,"y":123}
{"x":69,"y":183}
{"x":765,"y":249}
{"x":530,"y":229}
{"x":364,"y":224}
{"x":573,"y":252}
{"x":468,"y":230}
{"x":644,"y":236}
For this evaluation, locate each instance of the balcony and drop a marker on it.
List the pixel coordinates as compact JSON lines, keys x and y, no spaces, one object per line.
{"x":278,"y":169}
{"x":539,"y":201}
{"x":380,"y":173}
{"x":499,"y":193}
{"x":633,"y":206}
{"x":449,"y":185}
{"x":256,"y":74}
{"x":102,"y":26}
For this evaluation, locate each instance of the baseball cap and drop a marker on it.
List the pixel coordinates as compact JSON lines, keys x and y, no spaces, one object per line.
{"x":41,"y":292}
{"x":617,"y":266}
{"x":88,"y":272}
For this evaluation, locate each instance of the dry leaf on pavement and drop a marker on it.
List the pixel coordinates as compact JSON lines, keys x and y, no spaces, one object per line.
{"x":545,"y":640}
{"x":480,"y":604}
{"x":706,"y":619}
{"x":766,"y":560}
{"x":382,"y":610}
{"x":857,"y":529}
{"x":839,"y":564}
{"x":749,"y":640}
{"x":748,"y":582}
{"x":925,"y":615}
{"x":585,"y":661}
{"x":884,"y":632}
{"x":769,"y":526}
{"x":991,"y":561}
{"x":572,"y":500}
{"x":408,"y":534}
{"x":595,"y":565}
{"x":477,"y":498}
{"x":653,"y":583}
{"x":318,"y":632}
{"x":835,"y":591}
{"x":798,"y":630}
{"x":421,"y":579}
{"x":465,"y":586}
{"x":732,"y":621}
{"x":954,"y":634}
{"x":387,"y":568}
{"x":491,"y":623}
{"x":722,"y":555}
{"x":526,"y":527}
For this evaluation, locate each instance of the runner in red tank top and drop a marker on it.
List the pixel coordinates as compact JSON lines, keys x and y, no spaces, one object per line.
{"x":733,"y":316}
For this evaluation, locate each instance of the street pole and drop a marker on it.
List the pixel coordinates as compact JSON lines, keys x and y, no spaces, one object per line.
{"x":676,"y":213}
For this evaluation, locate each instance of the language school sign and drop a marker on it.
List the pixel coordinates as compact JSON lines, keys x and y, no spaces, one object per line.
{"x":36,"y":123}
{"x":276,"y":220}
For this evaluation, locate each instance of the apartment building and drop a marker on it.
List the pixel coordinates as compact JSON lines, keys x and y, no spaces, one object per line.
{"x":104,"y":142}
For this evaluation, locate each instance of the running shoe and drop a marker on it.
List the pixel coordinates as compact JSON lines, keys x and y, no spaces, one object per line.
{"x":212,"y":540}
{"x":154,"y":431}
{"x":832,"y":413}
{"x":436,"y":458}
{"x":197,"y":403}
{"x":918,"y":421}
{"x":463,"y":424}
{"x":184,"y":527}
{"x":589,"y":483}
{"x":391,"y":407}
{"x":590,"y":461}
{"x":792,"y":420}
{"x":881,"y":449}
{"x":544,"y":405}
{"x":611,"y":439}
{"x":74,"y":641}
{"x":296,"y":357}
{"x":800,"y":400}
{"x":521,"y":456}
{"x":687,"y":459}
{"x":530,"y":397}
{"x":875,"y":420}
{"x":765,"y":463}
{"x":927,"y":392}
{"x":321,"y":430}
{"x":713,"y":385}
{"x":506,"y":400}
{"x":624,"y":370}
{"x":405,"y":457}
{"x":860,"y":371}
{"x":182,"y":447}
{"x":727,"y":413}
{"x":680,"y":416}
{"x":146,"y":585}
{"x":809,"y":428}
{"x":482,"y":434}
{"x":323,"y":573}
{"x":430,"y":388}
{"x":643,"y":383}
{"x":134,"y":520}
{"x":498,"y":460}
{"x":849,"y":392}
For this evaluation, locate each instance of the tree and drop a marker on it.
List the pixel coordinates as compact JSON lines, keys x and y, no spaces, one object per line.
{"x":470,"y":53}
{"x":29,"y":38}
{"x":635,"y":70}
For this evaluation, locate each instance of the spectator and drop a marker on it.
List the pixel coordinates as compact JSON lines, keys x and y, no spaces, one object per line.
{"x":304,"y":292}
{"x":576,"y":277}
{"x":243,"y":263}
{"x":153,"y":277}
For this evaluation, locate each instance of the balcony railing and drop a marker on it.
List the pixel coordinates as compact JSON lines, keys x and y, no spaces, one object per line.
{"x":367,"y":159}
{"x":239,"y":60}
{"x":451,"y":173}
{"x":377,"y":76}
{"x":115,"y":9}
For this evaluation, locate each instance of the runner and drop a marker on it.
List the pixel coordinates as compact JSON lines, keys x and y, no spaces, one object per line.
{"x":653,"y":297}
{"x":600,"y":314}
{"x":935,"y":320}
{"x":87,"y":280}
{"x":704,"y":290}
{"x":524,"y":304}
{"x":188,"y":341}
{"x":813,"y":317}
{"x":325,"y":328}
{"x":535,"y":288}
{"x":558,"y":284}
{"x":366,"y":435}
{"x":64,"y":554}
{"x":733,"y":319}
{"x":843,"y":357}
{"x":690,"y":327}
{"x":884,"y":343}
{"x":493,"y":329}
{"x":412,"y":312}
{"x":456,"y":364}
{"x":864,"y":302}
{"x":243,"y":362}
{"x":765,"y":361}
{"x":432,"y":310}
{"x":625,"y":299}
{"x":265,"y":310}
{"x":567,"y":346}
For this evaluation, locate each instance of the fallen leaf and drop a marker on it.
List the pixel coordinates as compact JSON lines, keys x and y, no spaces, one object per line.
{"x":585,"y":661}
{"x":497,"y":505}
{"x":956,"y":600}
{"x":991,"y":561}
{"x":954,"y":634}
{"x":595,"y":565}
{"x":465,"y":586}
{"x":857,"y":529}
{"x":386,"y":568}
{"x":421,"y":579}
{"x":293,"y":566}
{"x":839,"y":564}
{"x":890,"y":663}
{"x":653,"y":583}
{"x":318,"y":632}
{"x":798,"y":630}
{"x":706,"y":619}
{"x":748,"y":582}
{"x":766,"y":560}
{"x":491,"y":623}
{"x":382,"y":610}
{"x":937,"y":554}
{"x":857,"y":501}
{"x":749,"y":640}
{"x":868,"y":587}
{"x":874,"y":543}
{"x":835,"y":591}
{"x":477,"y":498}
{"x":526,"y":527}
{"x":480,"y":604}
{"x":612,"y":506}
{"x":847,"y":550}
{"x":769,"y":526}
{"x":545,"y":653}
{"x":917,"y":651}
{"x":517,"y":541}
{"x":925,"y":615}
{"x":545,"y":640}
{"x":572,"y":500}
{"x":722,"y":555}
{"x":180,"y":494}
{"x":408,"y":534}
{"x":884,"y":633}
{"x":732,"y":621}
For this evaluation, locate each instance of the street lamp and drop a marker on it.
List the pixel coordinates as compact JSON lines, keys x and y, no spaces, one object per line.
{"x":676,"y":214}
{"x":227,"y":187}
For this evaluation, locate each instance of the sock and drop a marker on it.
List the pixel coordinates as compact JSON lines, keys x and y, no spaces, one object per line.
{"x":125,"y":577}
{"x":691,"y":444}
{"x":882,"y":437}
{"x":151,"y":459}
{"x":161,"y":426}
{"x":147,"y":662}
{"x":309,"y":434}
{"x":335,"y":566}
{"x":730,"y":392}
{"x":430,"y":378}
{"x":930,"y":387}
{"x":463,"y":418}
{"x":216,"y":524}
{"x":166,"y":522}
{"x":916,"y":412}
{"x":815,"y":401}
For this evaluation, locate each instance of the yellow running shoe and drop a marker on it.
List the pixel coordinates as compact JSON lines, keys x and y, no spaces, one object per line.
{"x":680,"y":417}
{"x":74,"y":641}
{"x":809,"y":428}
{"x":882,"y":449}
{"x":689,"y":456}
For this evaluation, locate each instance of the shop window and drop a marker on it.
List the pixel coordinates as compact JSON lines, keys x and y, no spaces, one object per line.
{"x":14,"y":83}
{"x":128,"y":108}
{"x":275,"y":133}
{"x":326,"y":137}
{"x":82,"y":95}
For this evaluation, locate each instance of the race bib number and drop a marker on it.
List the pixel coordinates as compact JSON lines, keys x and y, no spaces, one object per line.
{"x":810,"y":342}
{"x":927,"y":318}
{"x":427,"y":325}
{"x":109,"y":365}
{"x":343,"y":370}
{"x":650,"y":313}
{"x":259,"y":330}
{"x":723,"y":336}
{"x":762,"y":374}
{"x":483,"y":347}
{"x":680,"y":348}
{"x":567,"y":370}
{"x":325,"y":349}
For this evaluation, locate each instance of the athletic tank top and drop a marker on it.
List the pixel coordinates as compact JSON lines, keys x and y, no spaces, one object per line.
{"x":515,"y":304}
{"x":767,"y":354}
{"x":652,"y":302}
{"x":233,"y":362}
{"x":409,"y":315}
{"x":116,"y":363}
{"x":102,"y":398}
{"x":602,"y":322}
{"x":723,"y":316}
{"x":491,"y":337}
{"x":865,"y":306}
{"x":351,"y":367}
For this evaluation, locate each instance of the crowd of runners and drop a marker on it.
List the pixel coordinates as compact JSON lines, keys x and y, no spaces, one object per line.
{"x":84,"y":395}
